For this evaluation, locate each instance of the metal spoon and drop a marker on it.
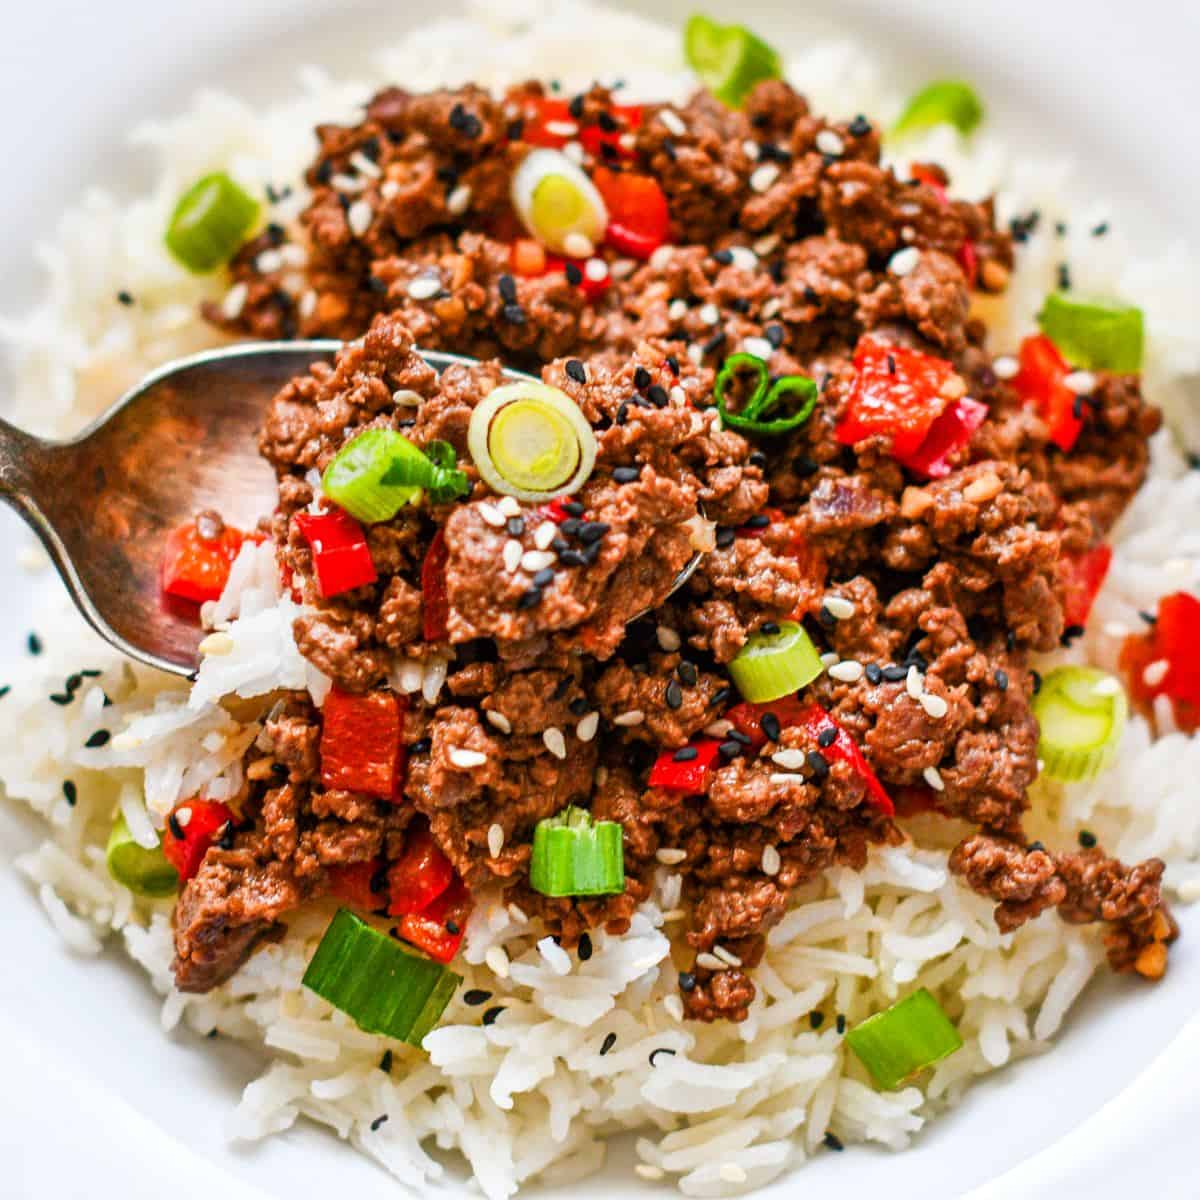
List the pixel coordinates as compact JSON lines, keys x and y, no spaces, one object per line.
{"x":184,"y":440}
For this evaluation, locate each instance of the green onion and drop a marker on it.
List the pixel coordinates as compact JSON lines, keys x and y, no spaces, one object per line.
{"x":448,"y":482}
{"x":771,"y":665}
{"x":531,"y":441}
{"x":1081,"y":711}
{"x":900,"y":1041}
{"x":946,"y":102}
{"x":381,"y":987}
{"x":576,"y":856}
{"x":558,"y":203}
{"x":1098,"y":335}
{"x":210,"y":222}
{"x":729,"y":59}
{"x":143,"y":870}
{"x":764,"y":399}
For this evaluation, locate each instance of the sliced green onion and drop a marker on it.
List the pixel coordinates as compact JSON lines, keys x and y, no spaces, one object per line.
{"x":210,"y":222}
{"x":143,"y":870}
{"x":946,"y":102}
{"x":576,"y":856}
{"x":381,"y":987}
{"x":900,"y":1041}
{"x":765,"y":398}
{"x":448,"y":482}
{"x":1082,"y":712}
{"x":531,"y":440}
{"x":729,"y":59}
{"x":558,"y":203}
{"x":771,"y":665}
{"x":1097,"y":335}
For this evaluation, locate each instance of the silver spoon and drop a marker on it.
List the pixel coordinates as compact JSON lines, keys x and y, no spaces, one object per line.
{"x":183,"y":440}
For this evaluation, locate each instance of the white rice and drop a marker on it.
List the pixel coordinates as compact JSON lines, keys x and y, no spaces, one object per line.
{"x":568,"y":1061}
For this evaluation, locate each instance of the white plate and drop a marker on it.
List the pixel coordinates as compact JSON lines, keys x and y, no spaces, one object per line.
{"x":94,"y":1099}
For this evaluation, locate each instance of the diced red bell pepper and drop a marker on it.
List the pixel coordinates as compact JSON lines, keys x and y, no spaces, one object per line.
{"x":435,"y":601}
{"x":1040,"y":382}
{"x":746,"y":718}
{"x":951,"y":432}
{"x":362,"y":748}
{"x":1083,"y":576}
{"x":341,"y":556}
{"x":931,"y":178}
{"x":196,"y":568}
{"x":351,"y":883}
{"x":845,"y":749}
{"x":186,"y":839}
{"x":440,"y":929}
{"x":419,"y":876}
{"x":547,"y":117}
{"x":1172,"y":639}
{"x":627,"y":118}
{"x":540,"y":115}
{"x":897,"y":393}
{"x":691,"y":776}
{"x":528,"y":257}
{"x":554,"y":511}
{"x":639,"y":220}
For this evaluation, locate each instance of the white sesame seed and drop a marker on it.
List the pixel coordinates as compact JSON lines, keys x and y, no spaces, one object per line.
{"x":677,"y":310}
{"x":497,"y":961}
{"x":905,"y":261}
{"x":838,"y":607}
{"x":750,"y":150}
{"x":678,"y":396}
{"x":588,"y":724}
{"x":509,"y":506}
{"x":626,"y":720}
{"x":595,"y":269}
{"x":668,"y":639}
{"x":499,"y":720}
{"x":1082,"y":383}
{"x":743,"y":258}
{"x":466,"y":759}
{"x":710,"y":314}
{"x":759,"y":347}
{"x":732,"y":1173}
{"x":627,"y":141}
{"x":718,"y":729}
{"x":544,"y":534}
{"x":829,"y":658}
{"x":1108,"y":686}
{"x":495,"y":840}
{"x":649,"y":1172}
{"x":364,"y":165}
{"x":762,"y":178}
{"x":934,"y":705}
{"x":695,"y":353}
{"x":490,"y":513}
{"x":564,"y":129}
{"x":511,"y":555}
{"x":359,"y":217}
{"x":268,"y":261}
{"x":674,"y":1006}
{"x":518,"y":914}
{"x":1156,"y":672}
{"x":710,"y":962}
{"x":772,"y":308}
{"x":791,"y":760}
{"x":1116,"y":629}
{"x":914,"y":685}
{"x":216,"y":645}
{"x":424,"y":287}
{"x":574,"y":151}
{"x":771,"y":862}
{"x":727,"y":956}
{"x":555,"y":742}
{"x":1006,"y":367}
{"x":459,"y":200}
{"x":828,"y":142}
{"x":578,"y":245}
{"x":389,"y":189}
{"x":783,"y":780}
{"x":766,"y":245}
{"x":933,"y":777}
{"x":670,"y":857}
{"x":234,"y":302}
{"x":308,"y":303}
{"x":182,"y":817}
{"x":347,"y":183}
{"x":847,"y":671}
{"x":672,"y":120}
{"x":534,"y":560}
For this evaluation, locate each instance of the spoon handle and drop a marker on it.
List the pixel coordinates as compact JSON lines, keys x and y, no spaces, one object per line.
{"x":20,"y":453}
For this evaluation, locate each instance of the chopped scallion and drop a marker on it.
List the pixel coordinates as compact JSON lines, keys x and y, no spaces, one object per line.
{"x":576,"y":856}
{"x":772,"y":665}
{"x":945,"y":102}
{"x":143,"y":870}
{"x":900,"y":1041}
{"x":729,"y":59}
{"x":381,"y":987}
{"x":211,"y":220}
{"x":1081,"y":712}
{"x":1097,"y":335}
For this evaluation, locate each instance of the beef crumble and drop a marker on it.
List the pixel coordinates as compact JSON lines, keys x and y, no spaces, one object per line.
{"x":943,"y":589}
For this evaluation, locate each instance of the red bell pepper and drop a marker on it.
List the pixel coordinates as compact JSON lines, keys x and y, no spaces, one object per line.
{"x":540,"y":115}
{"x":351,"y":883}
{"x":746,"y":717}
{"x":191,"y":829}
{"x":897,"y":393}
{"x":419,"y":876}
{"x":341,"y":556}
{"x":554,"y":511}
{"x":627,"y":118}
{"x":844,"y":748}
{"x":1040,"y":382}
{"x":440,"y":929}
{"x":196,"y":568}
{"x":547,"y":117}
{"x":1172,"y":639}
{"x":691,"y":776}
{"x":968,"y":259}
{"x":361,"y":743}
{"x":1083,"y":576}
{"x":435,"y":601}
{"x":639,"y":220}
{"x":951,"y":432}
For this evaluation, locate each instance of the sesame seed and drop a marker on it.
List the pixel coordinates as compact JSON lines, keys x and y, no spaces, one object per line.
{"x":934,"y":706}
{"x":424,"y":287}
{"x":585,"y":730}
{"x":830,"y":659}
{"x":459,"y":200}
{"x":578,"y":245}
{"x":466,"y":759}
{"x":100,"y":738}
{"x":634,"y":716}
{"x":498,"y":720}
{"x":610,"y":1040}
{"x":771,"y":862}
{"x":670,"y":857}
{"x":933,"y":777}
{"x":576,"y":370}
{"x":585,"y":947}
{"x":914,"y":685}
{"x":1082,"y":383}
{"x":828,"y":142}
{"x":1006,"y":367}
{"x":268,"y":262}
{"x":759,"y":347}
{"x":674,"y":1007}
{"x":672,"y":120}
{"x":709,"y":314}
{"x":234,"y":302}
{"x":710,"y":962}
{"x":764,"y":177}
{"x":676,"y":310}
{"x":1156,"y":672}
{"x":674,"y":695}
{"x":495,"y":840}
{"x":848,"y":671}
{"x":770,"y":726}
{"x":544,"y":535}
{"x":905,"y":261}
{"x":555,"y":742}
{"x":491,"y":514}
{"x":536,"y":560}
{"x":359,"y":217}
{"x":743,"y":258}
{"x":833,"y":1141}
{"x":595,"y":269}
{"x":216,"y":645}
{"x":839,"y":607}
{"x":790,"y":760}
{"x":497,"y":961}
{"x":512,"y":554}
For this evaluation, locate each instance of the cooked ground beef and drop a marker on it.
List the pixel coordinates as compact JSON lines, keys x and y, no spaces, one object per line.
{"x":555,"y":693}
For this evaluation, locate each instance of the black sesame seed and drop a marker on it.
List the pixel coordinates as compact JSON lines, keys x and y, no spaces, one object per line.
{"x":724,"y":257}
{"x":1100,"y":230}
{"x":722,"y":694}
{"x":174,"y":826}
{"x":530,"y":599}
{"x":585,"y":947}
{"x":421,"y":746}
{"x":562,"y":687}
{"x":687,"y":981}
{"x":771,"y":727}
{"x":758,"y":521}
{"x":774,"y":334}
{"x":570,"y":526}
{"x":1035,"y":846}
{"x":661,"y":1050}
{"x":378,"y":1122}
{"x":607,"y":122}
{"x":61,"y":697}
{"x":827,"y":737}
{"x":515,"y":130}
{"x":891,"y":362}
{"x":571,"y":558}
{"x":1037,"y":681}
{"x":725,"y":536}
{"x":1071,"y":634}
{"x":1148,"y":617}
{"x":4,"y":690}
{"x":508,"y":289}
{"x":514,"y":314}
{"x":385,"y":1063}
{"x":770,"y":628}
{"x":657,"y":395}
{"x":626,"y":474}
{"x":833,"y":1141}
{"x":622,"y":412}
{"x":464,"y":122}
{"x":715,"y":342}
{"x":323,"y":172}
{"x":841,"y":1022}
{"x":1064,"y":277}
{"x":684,"y":754}
{"x":574,"y":274}
{"x":674,"y":699}
{"x":811,"y":295}
{"x":544,"y":577}
{"x":743,"y":739}
{"x":859,"y":127}
{"x":642,"y":379}
{"x":1000,"y":677}
{"x":124,"y":297}
{"x":687,"y":672}
{"x":515,"y":526}
{"x":806,"y":466}
{"x":593,"y":531}
{"x":489,"y":1017}
{"x":818,"y":764}
{"x":575,"y":370}
{"x":825,"y":618}
{"x":1087,"y":839}
{"x":573,"y":508}
{"x":225,"y":841}
{"x":672,"y":364}
{"x":730,"y":749}
{"x":816,"y":1018}
{"x":758,"y":459}
{"x":873,"y":673}
{"x":376,"y":285}
{"x":894,"y":673}
{"x":610,"y":1040}
{"x":70,"y":792}
{"x":100,"y":738}
{"x":34,"y":643}
{"x":476,"y":996}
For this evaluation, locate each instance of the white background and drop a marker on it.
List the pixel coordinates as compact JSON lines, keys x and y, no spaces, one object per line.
{"x":93,"y":1100}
